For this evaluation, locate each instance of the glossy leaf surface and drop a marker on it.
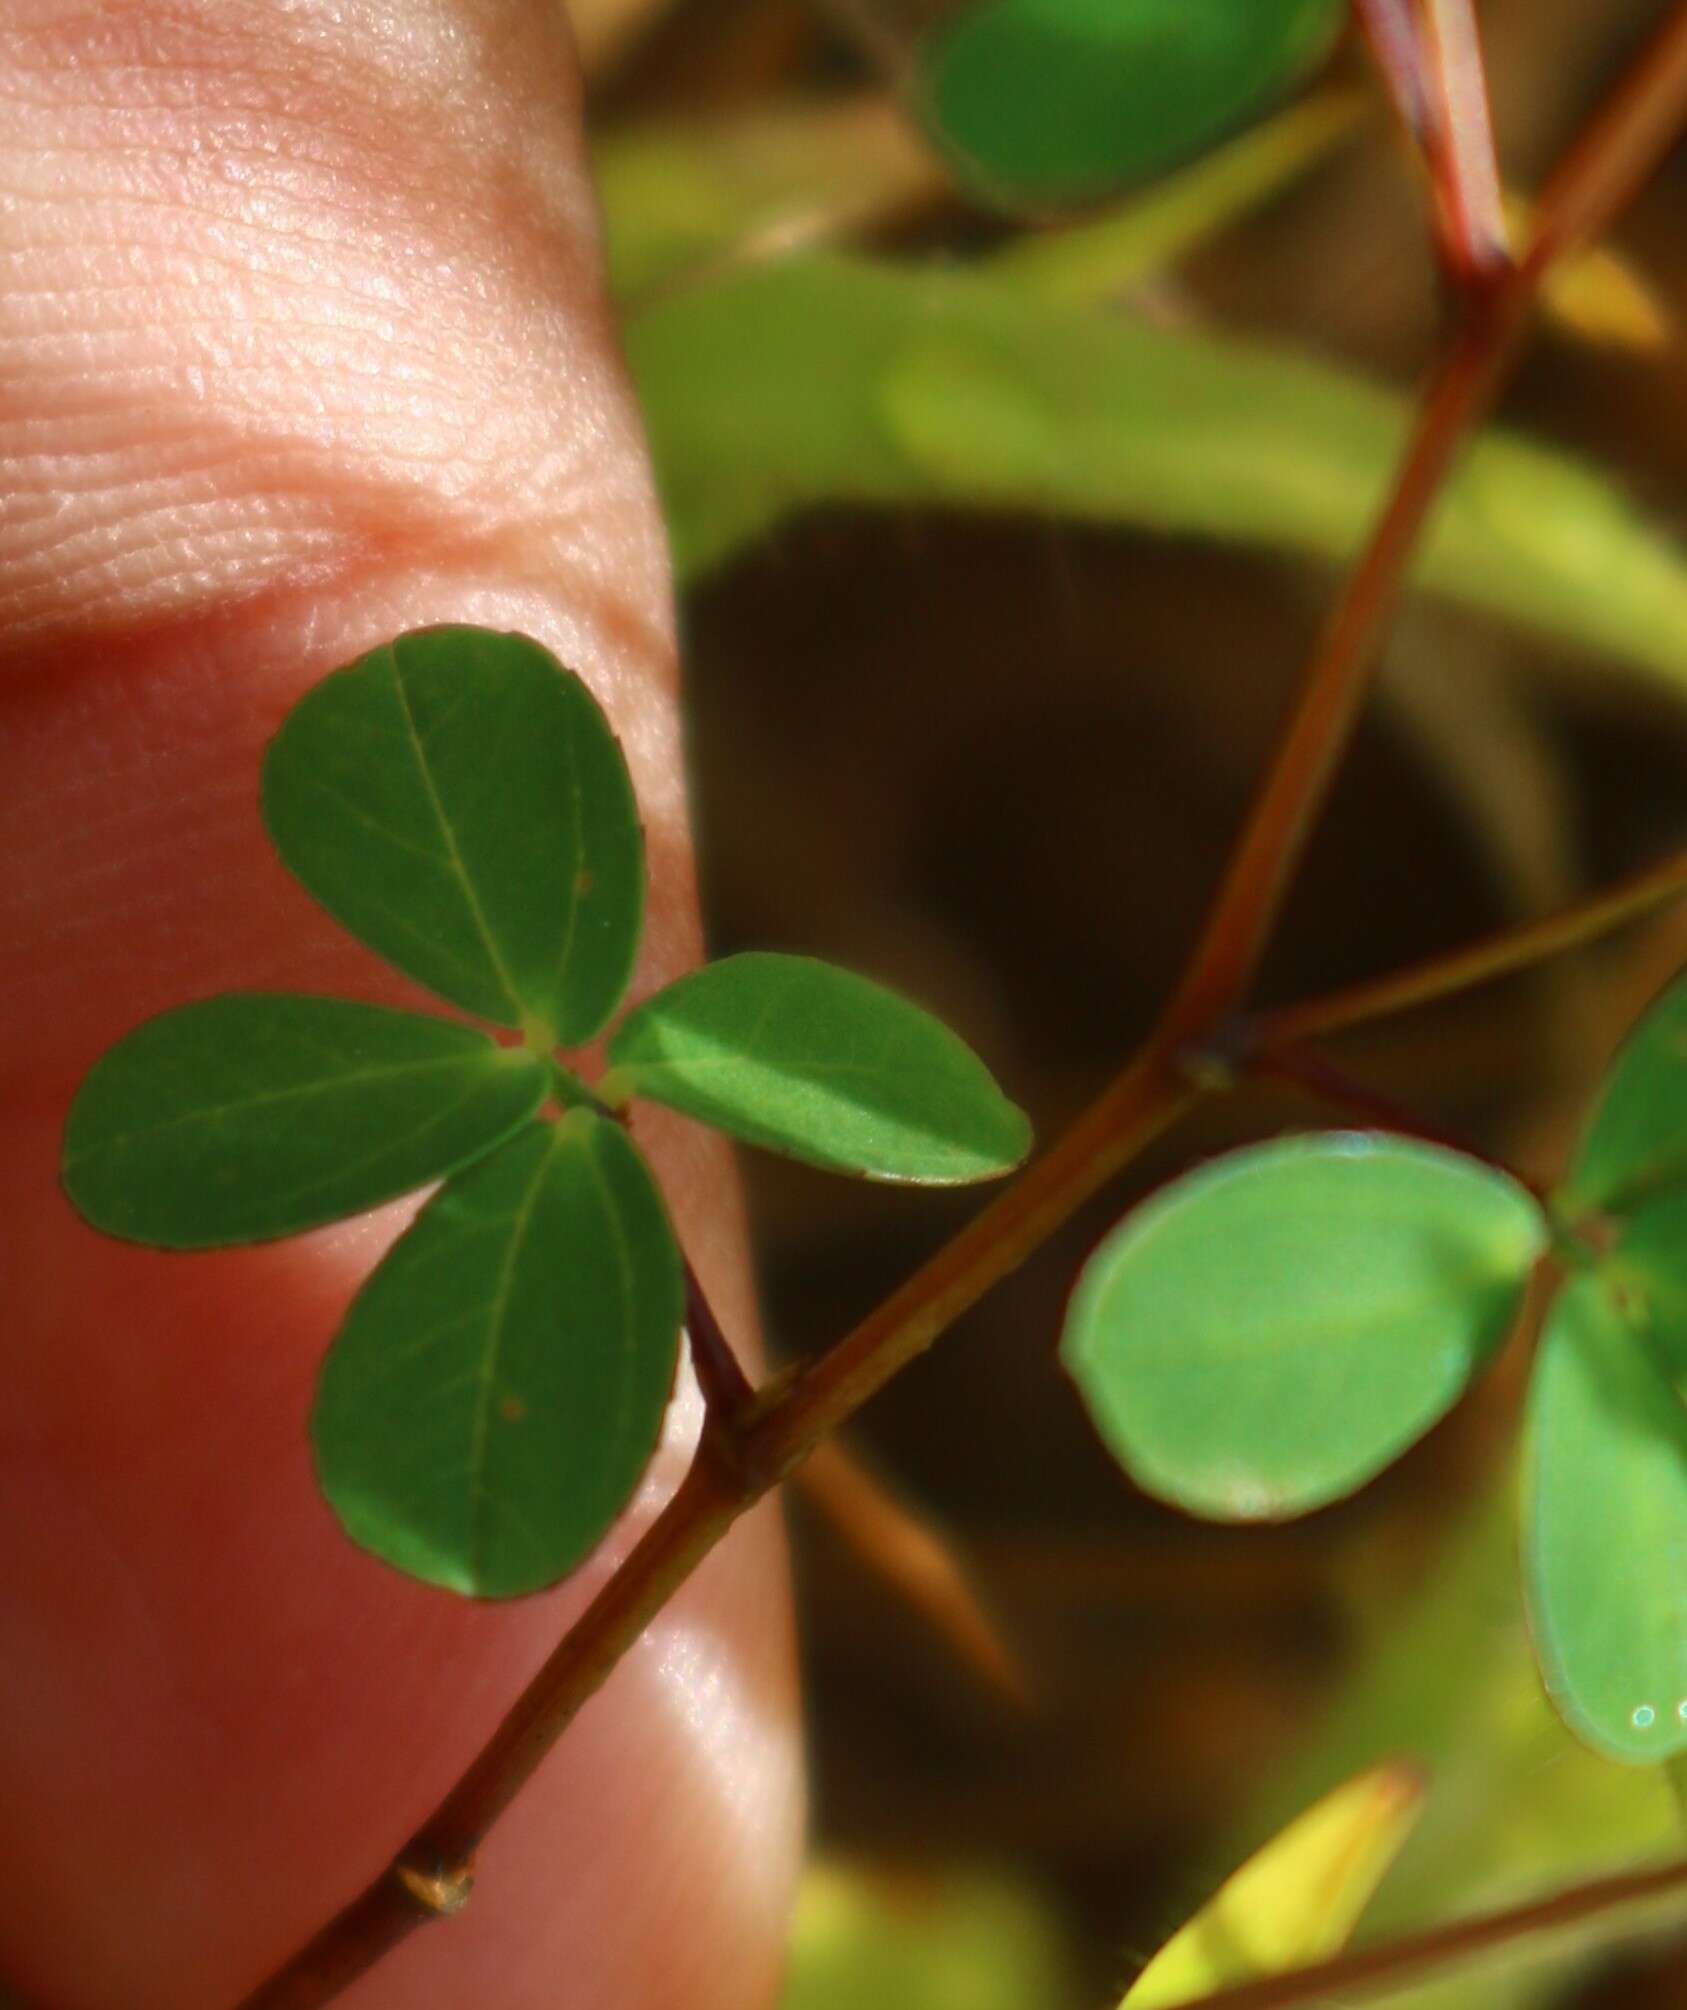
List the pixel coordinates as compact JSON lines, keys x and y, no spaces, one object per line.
{"x":1057,"y":100}
{"x":259,"y":1114}
{"x":1294,"y":1902}
{"x":820,"y":1064}
{"x":1636,"y":1142}
{"x":456,"y":799}
{"x":1269,"y":1332}
{"x":1605,"y":1526}
{"x":499,"y":1384}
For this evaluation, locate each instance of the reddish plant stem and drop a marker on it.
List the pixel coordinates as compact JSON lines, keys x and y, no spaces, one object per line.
{"x":440,"y":1855}
{"x":1623,"y":144}
{"x":1462,"y":162}
{"x":432,"y":1873}
{"x":1397,"y":1964}
{"x":1307,"y":1070}
{"x":728,"y":1392}
{"x":1276,"y":833}
{"x":1430,"y":56}
{"x":1615,"y":153}
{"x":1391,"y":29}
{"x":925,"y":1569}
{"x":1142,"y":1102}
{"x":1484,"y":962}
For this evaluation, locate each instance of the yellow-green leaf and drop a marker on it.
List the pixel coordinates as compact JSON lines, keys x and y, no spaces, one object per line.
{"x":1296,"y":1901}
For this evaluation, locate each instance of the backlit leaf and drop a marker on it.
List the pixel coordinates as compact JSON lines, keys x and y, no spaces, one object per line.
{"x":260,"y":1114}
{"x":802,"y":1058}
{"x":1636,"y":1141}
{"x":1605,"y":1527}
{"x":1296,"y":1901}
{"x":1058,"y":100}
{"x":1269,"y":1332}
{"x":499,"y":1384}
{"x":457,"y":800}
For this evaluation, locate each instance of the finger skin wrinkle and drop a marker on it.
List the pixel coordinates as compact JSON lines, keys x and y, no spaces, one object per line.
{"x":296,"y":292}
{"x":303,"y":343}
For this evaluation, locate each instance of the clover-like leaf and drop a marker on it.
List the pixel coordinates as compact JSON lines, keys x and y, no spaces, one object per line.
{"x":1635,"y":1143}
{"x":1647,"y":1272}
{"x":259,"y":1114}
{"x":1269,"y":1332}
{"x":1605,"y":1525}
{"x":457,"y":800}
{"x":499,"y":1384}
{"x":1059,"y":100}
{"x":1293,"y":1902}
{"x":806,"y":1059}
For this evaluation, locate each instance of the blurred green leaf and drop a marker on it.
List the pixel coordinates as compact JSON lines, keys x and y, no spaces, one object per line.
{"x":831,"y":379}
{"x":683,"y":201}
{"x":680,"y":197}
{"x":1605,"y":1527}
{"x":1636,"y":1141}
{"x":1267,"y":1333}
{"x":1103,"y":256}
{"x":944,"y":1940}
{"x":1444,"y":1670}
{"x":806,"y":1059}
{"x":1059,"y":100}
{"x":499,"y":1384}
{"x":260,"y":1114}
{"x":1297,"y":1900}
{"x":456,"y":799}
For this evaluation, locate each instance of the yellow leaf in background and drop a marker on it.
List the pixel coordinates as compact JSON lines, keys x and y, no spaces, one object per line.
{"x":1598,"y":294}
{"x":1296,"y":1901}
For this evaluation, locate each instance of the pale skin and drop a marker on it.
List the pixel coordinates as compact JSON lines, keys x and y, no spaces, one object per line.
{"x":303,"y":342}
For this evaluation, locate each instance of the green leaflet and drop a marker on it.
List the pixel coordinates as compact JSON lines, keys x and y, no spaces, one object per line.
{"x":1605,"y":1525}
{"x":260,"y":1114}
{"x":1636,"y":1141}
{"x":499,"y":1384}
{"x":1059,"y":100}
{"x":456,"y":799}
{"x":1267,"y":1333}
{"x":825,"y":379}
{"x":806,"y":1059}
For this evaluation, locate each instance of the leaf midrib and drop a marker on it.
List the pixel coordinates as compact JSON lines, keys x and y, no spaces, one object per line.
{"x":209,"y":1112}
{"x":481,"y":1499}
{"x":470,"y":892}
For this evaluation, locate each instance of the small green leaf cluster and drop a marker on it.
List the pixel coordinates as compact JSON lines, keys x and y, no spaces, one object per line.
{"x":1268,"y":1332}
{"x":1055,"y":101}
{"x":457,"y":801}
